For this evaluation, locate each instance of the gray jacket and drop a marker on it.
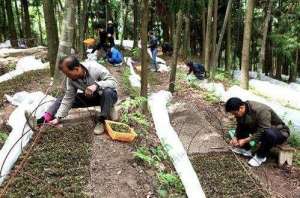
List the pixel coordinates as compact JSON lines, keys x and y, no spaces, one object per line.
{"x":96,"y":73}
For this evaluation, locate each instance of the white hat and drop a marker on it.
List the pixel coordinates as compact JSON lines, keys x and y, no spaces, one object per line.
{"x":109,"y":22}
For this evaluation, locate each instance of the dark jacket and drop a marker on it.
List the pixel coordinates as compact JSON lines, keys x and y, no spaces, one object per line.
{"x":198,"y":70}
{"x":257,"y":119}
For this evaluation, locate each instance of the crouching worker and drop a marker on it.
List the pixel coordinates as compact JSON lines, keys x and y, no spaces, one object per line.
{"x":114,"y":56}
{"x":98,"y":86}
{"x":197,"y":69}
{"x":256,"y":122}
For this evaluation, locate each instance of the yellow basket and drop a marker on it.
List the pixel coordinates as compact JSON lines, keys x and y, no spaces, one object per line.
{"x":115,"y":135}
{"x":89,"y":42}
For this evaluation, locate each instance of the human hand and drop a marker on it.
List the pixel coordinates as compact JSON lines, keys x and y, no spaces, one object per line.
{"x":89,"y":91}
{"x":242,"y":142}
{"x":54,"y":122}
{"x":234,"y":142}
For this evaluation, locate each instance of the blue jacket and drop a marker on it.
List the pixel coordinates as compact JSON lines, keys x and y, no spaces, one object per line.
{"x":114,"y":56}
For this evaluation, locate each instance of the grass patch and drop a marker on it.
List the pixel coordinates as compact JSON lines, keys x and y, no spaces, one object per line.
{"x":132,"y":91}
{"x":169,"y":183}
{"x":225,"y":77}
{"x":61,"y":160}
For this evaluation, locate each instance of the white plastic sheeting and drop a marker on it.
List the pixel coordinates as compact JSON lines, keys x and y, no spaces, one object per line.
{"x":170,"y":140}
{"x":5,"y":44}
{"x":282,"y":93}
{"x":25,"y":64}
{"x":12,"y":148}
{"x":135,"y":80}
{"x":127,"y":44}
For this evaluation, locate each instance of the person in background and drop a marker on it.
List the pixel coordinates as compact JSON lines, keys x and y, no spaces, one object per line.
{"x":110,"y":33}
{"x":256,"y":122}
{"x":102,"y":39}
{"x":99,"y":89}
{"x":153,"y":44}
{"x":114,"y":56}
{"x":197,"y":69}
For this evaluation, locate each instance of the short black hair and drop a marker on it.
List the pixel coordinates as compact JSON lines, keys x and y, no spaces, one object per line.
{"x":233,"y":104}
{"x":189,"y":63}
{"x":72,"y":62}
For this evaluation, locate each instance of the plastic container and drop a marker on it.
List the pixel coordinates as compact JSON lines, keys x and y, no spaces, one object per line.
{"x":120,"y":136}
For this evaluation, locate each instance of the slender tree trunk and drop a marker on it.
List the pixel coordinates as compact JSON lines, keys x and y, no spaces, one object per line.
{"x":3,"y":26}
{"x":186,"y":47}
{"x":11,"y":24}
{"x":208,"y":36}
{"x":262,"y":56}
{"x":135,"y":23}
{"x":203,"y":33}
{"x":52,"y":33}
{"x":177,"y":41}
{"x":218,"y":48}
{"x":246,"y":44}
{"x":66,"y":38}
{"x":144,"y":29}
{"x":40,"y":26}
{"x":81,"y":6}
{"x":228,"y":52}
{"x":121,"y":21}
{"x":293,"y":68}
{"x":18,"y":20}
{"x":214,"y":32}
{"x":28,"y":36}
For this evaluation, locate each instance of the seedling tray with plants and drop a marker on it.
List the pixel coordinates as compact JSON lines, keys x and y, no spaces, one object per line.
{"x":119,"y":131}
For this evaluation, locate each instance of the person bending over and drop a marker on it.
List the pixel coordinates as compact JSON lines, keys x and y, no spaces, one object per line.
{"x":98,"y":86}
{"x":197,"y":69}
{"x":102,"y":40}
{"x":114,"y":56}
{"x":258,"y":122}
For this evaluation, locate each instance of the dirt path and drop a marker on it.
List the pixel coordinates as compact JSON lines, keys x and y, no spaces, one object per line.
{"x":114,"y":173}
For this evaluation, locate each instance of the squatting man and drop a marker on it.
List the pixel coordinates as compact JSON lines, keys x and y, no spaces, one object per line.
{"x":256,"y":122}
{"x":98,"y":86}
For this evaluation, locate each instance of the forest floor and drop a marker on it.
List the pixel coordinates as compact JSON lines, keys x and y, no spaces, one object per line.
{"x":73,"y":162}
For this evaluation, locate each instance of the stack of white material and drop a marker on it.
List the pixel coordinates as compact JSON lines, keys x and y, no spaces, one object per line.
{"x":127,"y":44}
{"x":5,"y":44}
{"x":25,"y":64}
{"x":135,"y":80}
{"x":167,"y":135}
{"x":12,"y":148}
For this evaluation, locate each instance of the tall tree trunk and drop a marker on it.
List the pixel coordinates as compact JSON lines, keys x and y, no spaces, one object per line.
{"x":246,"y":45}
{"x":3,"y":26}
{"x":293,"y":73}
{"x":121,"y":21}
{"x":214,"y":32}
{"x":177,"y":41}
{"x":218,"y":48}
{"x":135,"y":23}
{"x":81,"y":13}
{"x":203,"y":33}
{"x":208,"y":36}
{"x":18,"y":20}
{"x":186,"y":47}
{"x":40,"y":26}
{"x":66,"y":38}
{"x":228,"y":52}
{"x":52,"y":33}
{"x":28,"y":36}
{"x":144,"y":39}
{"x":262,"y":56}
{"x":11,"y":24}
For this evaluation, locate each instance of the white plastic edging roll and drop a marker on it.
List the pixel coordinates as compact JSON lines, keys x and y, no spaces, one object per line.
{"x":167,"y":135}
{"x":135,"y":80}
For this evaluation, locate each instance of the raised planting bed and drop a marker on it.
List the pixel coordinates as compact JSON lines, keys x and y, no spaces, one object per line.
{"x":58,"y":166}
{"x":221,"y":175}
{"x":119,"y":131}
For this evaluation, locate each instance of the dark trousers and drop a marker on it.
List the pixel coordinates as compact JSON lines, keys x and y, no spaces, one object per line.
{"x":106,"y":101}
{"x":270,"y":138}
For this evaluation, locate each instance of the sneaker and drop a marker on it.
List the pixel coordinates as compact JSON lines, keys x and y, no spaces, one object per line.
{"x":256,"y":161}
{"x":244,"y":152}
{"x":99,"y":129}
{"x":114,"y":115}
